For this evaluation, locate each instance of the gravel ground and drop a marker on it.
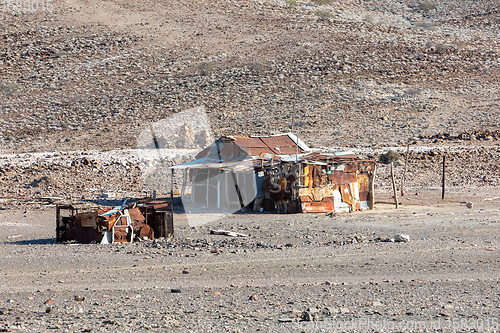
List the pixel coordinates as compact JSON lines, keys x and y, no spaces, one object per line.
{"x":294,"y":273}
{"x":82,"y":82}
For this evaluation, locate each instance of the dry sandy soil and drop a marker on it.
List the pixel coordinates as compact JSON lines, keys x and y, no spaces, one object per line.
{"x":294,"y":273}
{"x":81,"y":81}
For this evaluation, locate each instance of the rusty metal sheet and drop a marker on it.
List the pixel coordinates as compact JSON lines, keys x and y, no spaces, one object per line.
{"x":316,"y":175}
{"x":346,"y":194}
{"x":281,"y":145}
{"x":363,"y":196}
{"x":305,"y":198}
{"x":342,"y":178}
{"x":229,"y":150}
{"x":331,"y":158}
{"x":363,"y":182}
{"x":158,"y":204}
{"x":136,"y":216}
{"x":317,"y":207}
{"x":249,"y":142}
{"x":278,"y":141}
{"x":319,"y":193}
{"x":351,"y":168}
{"x":260,"y":151}
{"x":87,"y":220}
{"x":121,"y":234}
{"x":97,"y":224}
{"x":122,"y":220}
{"x":286,"y":150}
{"x":146,"y":231}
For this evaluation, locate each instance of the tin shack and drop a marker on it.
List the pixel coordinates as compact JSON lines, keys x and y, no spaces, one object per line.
{"x":275,"y":173}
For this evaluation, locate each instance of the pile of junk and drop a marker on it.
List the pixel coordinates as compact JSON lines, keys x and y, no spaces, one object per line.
{"x":141,"y":219}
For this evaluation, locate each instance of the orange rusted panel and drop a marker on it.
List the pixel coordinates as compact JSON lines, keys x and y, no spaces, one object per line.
{"x":346,"y":194}
{"x":121,"y":234}
{"x":363,"y":196}
{"x":317,"y":207}
{"x":351,"y":168}
{"x":316,"y":175}
{"x":136,"y":216}
{"x":342,"y":178}
{"x":363,"y":182}
{"x":258,"y":151}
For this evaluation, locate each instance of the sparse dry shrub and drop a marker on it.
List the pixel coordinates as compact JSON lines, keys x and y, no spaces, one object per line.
{"x":389,"y":157}
{"x":9,"y":88}
{"x":413,"y":91}
{"x":292,"y":3}
{"x":461,"y":45}
{"x":324,"y":14}
{"x":443,"y":49}
{"x":424,"y":25}
{"x":426,"y":6}
{"x":257,"y":68}
{"x":205,"y":69}
{"x":323,"y":2}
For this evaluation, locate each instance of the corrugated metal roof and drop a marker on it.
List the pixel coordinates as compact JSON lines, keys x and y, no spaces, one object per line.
{"x":248,"y":142}
{"x":280,"y":144}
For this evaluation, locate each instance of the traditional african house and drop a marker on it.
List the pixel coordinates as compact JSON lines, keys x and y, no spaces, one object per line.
{"x":276,"y":173}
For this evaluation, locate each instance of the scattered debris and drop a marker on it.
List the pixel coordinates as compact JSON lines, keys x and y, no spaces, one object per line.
{"x":344,"y":310}
{"x":469,"y":205}
{"x":79,"y":298}
{"x":15,"y":236}
{"x":308,"y":316}
{"x":228,"y":233}
{"x":402,"y":238}
{"x":175,"y":291}
{"x":143,"y":219}
{"x":286,"y":320}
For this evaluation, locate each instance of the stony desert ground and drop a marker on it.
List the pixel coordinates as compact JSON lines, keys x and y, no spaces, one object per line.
{"x":294,"y":273}
{"x":81,"y":80}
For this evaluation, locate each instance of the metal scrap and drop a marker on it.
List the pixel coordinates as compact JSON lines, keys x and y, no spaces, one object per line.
{"x":120,"y":224}
{"x":227,"y":233}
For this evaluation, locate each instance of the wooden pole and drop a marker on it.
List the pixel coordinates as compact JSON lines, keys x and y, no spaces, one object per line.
{"x":172,"y":189}
{"x":443,"y":182}
{"x":404,"y":171}
{"x":394,"y":186}
{"x":372,"y":187}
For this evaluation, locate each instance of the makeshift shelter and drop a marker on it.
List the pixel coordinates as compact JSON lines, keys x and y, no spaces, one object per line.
{"x":276,"y":173}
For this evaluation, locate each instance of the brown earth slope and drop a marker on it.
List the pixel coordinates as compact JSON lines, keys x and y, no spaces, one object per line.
{"x":90,"y":74}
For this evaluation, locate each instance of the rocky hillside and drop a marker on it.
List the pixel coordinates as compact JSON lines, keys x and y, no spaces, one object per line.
{"x":92,"y":74}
